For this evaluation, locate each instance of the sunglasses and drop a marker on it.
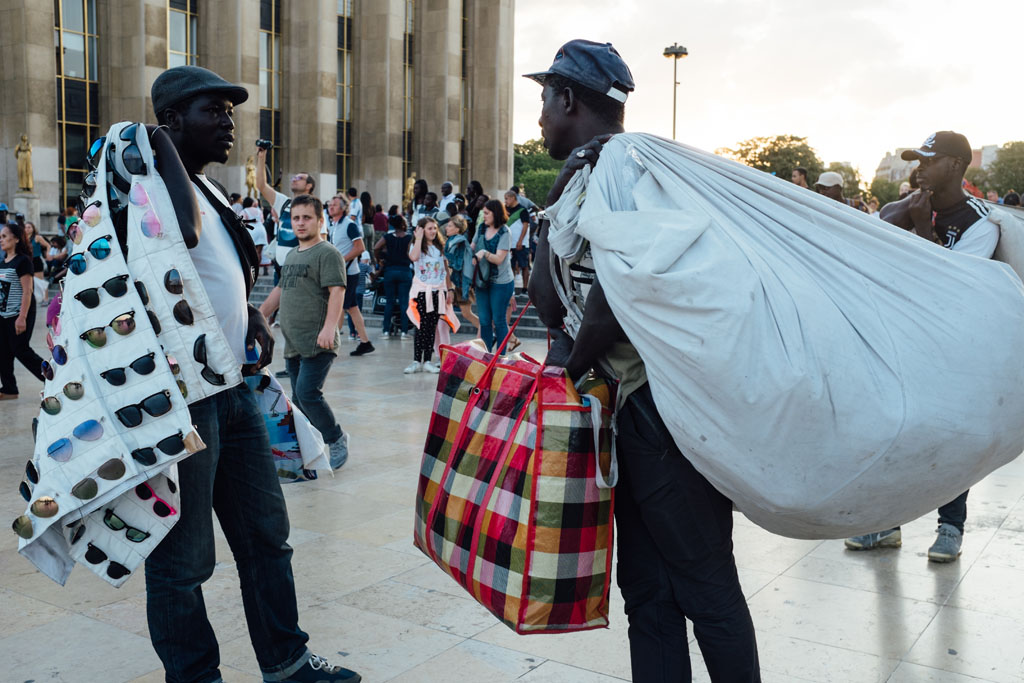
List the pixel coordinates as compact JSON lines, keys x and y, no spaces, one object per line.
{"x":44,"y":507}
{"x":31,"y":472}
{"x":156,"y":405}
{"x":25,"y":490}
{"x":77,"y":534}
{"x":100,"y":249}
{"x":92,"y":216}
{"x":111,"y":470}
{"x":160,"y":506}
{"x":61,"y":450}
{"x":115,"y":570}
{"x":122,"y":325}
{"x":74,"y":232}
{"x":116,"y":286}
{"x":199,"y":353}
{"x":23,"y":527}
{"x":172,"y":445}
{"x":115,"y":523}
{"x":181,"y":310}
{"x":142,"y":366}
{"x":131,"y":156}
{"x":89,"y":184}
{"x":51,"y":405}
{"x":94,"y":151}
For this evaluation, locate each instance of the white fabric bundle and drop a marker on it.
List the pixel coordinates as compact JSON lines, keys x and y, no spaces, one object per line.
{"x":782,"y":331}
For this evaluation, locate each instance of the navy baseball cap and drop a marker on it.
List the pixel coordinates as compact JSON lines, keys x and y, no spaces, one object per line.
{"x":597,"y":66}
{"x":944,"y":142}
{"x":182,"y":82}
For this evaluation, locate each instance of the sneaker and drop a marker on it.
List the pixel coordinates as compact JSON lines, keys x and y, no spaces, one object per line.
{"x":363,"y":349}
{"x":431,"y":367}
{"x":405,"y":335}
{"x":317,"y":670}
{"x":413,"y":368}
{"x":384,"y":335}
{"x":339,"y":452}
{"x":275,"y":324}
{"x":281,"y":373}
{"x":947,"y":546}
{"x":893,"y":538}
{"x":353,"y":336}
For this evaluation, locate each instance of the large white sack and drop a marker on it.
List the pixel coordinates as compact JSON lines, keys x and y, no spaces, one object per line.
{"x":782,"y":333}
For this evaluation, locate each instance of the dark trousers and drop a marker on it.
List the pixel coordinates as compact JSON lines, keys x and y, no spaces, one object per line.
{"x":236,"y":478}
{"x":426,"y":333}
{"x":397,"y":281}
{"x":955,"y":511}
{"x":675,"y":558}
{"x":307,"y":376}
{"x":13,"y":346}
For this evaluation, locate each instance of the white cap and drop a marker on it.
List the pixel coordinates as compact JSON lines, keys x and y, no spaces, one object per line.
{"x":829,"y":179}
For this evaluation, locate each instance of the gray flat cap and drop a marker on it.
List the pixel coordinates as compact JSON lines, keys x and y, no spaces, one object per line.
{"x":182,"y":82}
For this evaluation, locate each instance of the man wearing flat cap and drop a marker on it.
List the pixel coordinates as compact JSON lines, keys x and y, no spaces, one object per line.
{"x":674,"y":528}
{"x":235,"y":475}
{"x":943,"y":212}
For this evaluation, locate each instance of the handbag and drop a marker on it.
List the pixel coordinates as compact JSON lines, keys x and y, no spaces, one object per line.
{"x":513,"y":501}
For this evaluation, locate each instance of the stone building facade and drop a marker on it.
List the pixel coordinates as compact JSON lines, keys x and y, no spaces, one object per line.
{"x":359,"y":93}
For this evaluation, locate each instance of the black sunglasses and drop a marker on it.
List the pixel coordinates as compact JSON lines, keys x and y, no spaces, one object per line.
{"x":115,"y":570}
{"x":131,"y":156}
{"x":115,"y":523}
{"x":142,"y":366}
{"x":172,"y":445}
{"x":199,"y":353}
{"x":116,"y":286}
{"x":156,"y":405}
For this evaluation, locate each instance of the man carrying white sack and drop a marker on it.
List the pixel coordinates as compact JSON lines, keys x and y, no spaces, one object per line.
{"x":675,"y":529}
{"x":940,"y":211}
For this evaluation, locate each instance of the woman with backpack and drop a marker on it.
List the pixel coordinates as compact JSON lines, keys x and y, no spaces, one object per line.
{"x":459,"y":253}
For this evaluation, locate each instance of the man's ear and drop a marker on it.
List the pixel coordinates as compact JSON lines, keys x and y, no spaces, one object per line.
{"x":569,"y":102}
{"x":172,"y":119}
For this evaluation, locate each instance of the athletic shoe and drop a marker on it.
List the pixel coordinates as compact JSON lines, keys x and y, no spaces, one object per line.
{"x":405,"y":335}
{"x":275,"y":324}
{"x":892,"y":538}
{"x":281,"y":373}
{"x":413,"y":368}
{"x":384,"y":335}
{"x":353,"y":336}
{"x":339,"y":452}
{"x":317,"y":670}
{"x":363,"y":349}
{"x":947,"y":546}
{"x":431,"y":367}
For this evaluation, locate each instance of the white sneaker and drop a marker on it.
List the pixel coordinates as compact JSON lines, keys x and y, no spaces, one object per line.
{"x":431,"y":367}
{"x":414,"y":367}
{"x":385,"y":335}
{"x":405,"y":335}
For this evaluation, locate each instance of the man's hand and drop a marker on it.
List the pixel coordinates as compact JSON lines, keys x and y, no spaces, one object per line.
{"x":20,"y":325}
{"x":920,"y":210}
{"x":584,"y":155}
{"x":325,"y":340}
{"x":561,"y":348}
{"x":259,"y":333}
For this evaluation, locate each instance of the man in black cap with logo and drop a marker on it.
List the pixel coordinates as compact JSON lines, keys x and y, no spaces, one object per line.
{"x":942,"y":212}
{"x":674,"y":528}
{"x":235,"y":475}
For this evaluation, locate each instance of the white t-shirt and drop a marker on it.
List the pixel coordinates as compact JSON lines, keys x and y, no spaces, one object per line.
{"x":429,"y":267}
{"x":218,"y":266}
{"x":355,"y":209}
{"x":447,"y":204}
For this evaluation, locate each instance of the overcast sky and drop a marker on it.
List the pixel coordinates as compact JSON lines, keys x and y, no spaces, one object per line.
{"x":856,"y":78}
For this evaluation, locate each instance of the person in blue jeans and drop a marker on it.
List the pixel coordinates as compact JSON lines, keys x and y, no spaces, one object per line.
{"x":492,"y":252}
{"x":234,"y":475}
{"x":392,"y":250}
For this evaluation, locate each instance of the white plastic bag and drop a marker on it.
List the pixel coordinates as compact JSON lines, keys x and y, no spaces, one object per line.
{"x":781,"y":332}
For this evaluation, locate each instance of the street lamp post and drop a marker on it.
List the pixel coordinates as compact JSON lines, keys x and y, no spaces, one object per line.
{"x":675,"y":52}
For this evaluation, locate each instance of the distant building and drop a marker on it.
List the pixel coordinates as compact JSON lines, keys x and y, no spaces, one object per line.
{"x":358,"y":93}
{"x":894,"y":169}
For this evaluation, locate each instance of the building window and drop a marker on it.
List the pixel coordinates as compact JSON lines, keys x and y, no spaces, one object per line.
{"x":75,"y":42}
{"x":344,"y":142}
{"x":270,"y":82}
{"x":182,"y":18}
{"x":464,"y":106}
{"x":407,"y":88}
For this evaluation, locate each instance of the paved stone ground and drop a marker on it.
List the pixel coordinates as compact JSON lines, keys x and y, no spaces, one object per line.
{"x":373,"y":602}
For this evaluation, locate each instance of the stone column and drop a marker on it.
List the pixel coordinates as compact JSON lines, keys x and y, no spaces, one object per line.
{"x":377,"y":106}
{"x":29,"y":106}
{"x":438,"y":91}
{"x":133,"y":40}
{"x":229,"y":45}
{"x":309,"y":109}
{"x":489,"y":134}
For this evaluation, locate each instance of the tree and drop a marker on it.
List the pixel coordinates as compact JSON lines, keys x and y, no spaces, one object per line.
{"x":1007,"y":171}
{"x":979,"y":177}
{"x":851,"y":178}
{"x":885,"y":191}
{"x":778,"y":155}
{"x":534,"y":170}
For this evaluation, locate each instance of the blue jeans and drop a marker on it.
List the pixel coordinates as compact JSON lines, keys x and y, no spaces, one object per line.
{"x":307,"y":376}
{"x":491,"y":304}
{"x":397,"y":282}
{"x":236,"y":478}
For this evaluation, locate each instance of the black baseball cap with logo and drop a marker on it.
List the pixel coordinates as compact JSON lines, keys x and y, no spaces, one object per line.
{"x":946,"y":143}
{"x":597,"y":66}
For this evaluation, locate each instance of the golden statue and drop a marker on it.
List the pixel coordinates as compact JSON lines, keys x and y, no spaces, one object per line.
{"x":410,"y":183}
{"x":250,"y":177}
{"x":23,"y":153}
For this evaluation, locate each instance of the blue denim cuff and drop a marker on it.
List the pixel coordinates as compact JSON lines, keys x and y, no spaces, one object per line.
{"x":284,"y":671}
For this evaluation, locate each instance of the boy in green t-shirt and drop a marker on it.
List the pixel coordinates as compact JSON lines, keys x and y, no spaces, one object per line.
{"x":309,"y":298}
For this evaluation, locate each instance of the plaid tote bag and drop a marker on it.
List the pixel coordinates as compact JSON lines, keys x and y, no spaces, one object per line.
{"x":509,"y":502}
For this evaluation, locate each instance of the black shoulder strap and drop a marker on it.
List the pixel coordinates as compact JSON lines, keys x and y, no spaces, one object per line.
{"x":240,"y":236}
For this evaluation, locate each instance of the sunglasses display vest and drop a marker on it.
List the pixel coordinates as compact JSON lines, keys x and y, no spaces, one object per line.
{"x":135,"y":342}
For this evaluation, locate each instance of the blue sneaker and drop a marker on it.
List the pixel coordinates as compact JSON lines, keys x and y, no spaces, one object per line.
{"x":339,"y":452}
{"x":947,"y":546}
{"x":317,"y":670}
{"x":892,"y":538}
